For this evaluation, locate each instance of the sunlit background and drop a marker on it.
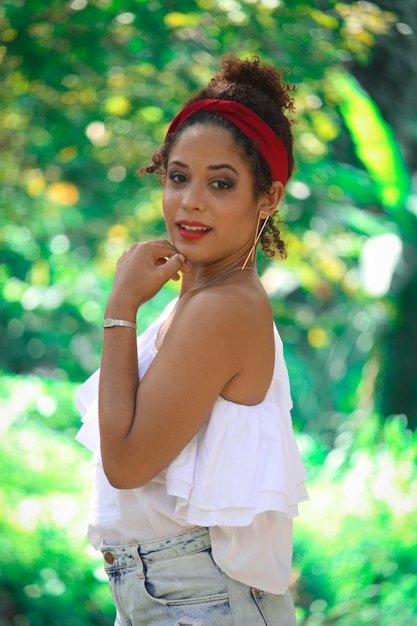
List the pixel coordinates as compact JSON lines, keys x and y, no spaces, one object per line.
{"x":87,"y":89}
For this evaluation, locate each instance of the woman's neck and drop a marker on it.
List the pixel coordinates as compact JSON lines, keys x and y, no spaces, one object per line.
{"x":201,"y":282}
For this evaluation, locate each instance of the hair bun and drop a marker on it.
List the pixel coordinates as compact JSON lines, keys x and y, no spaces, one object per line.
{"x":257,"y":77}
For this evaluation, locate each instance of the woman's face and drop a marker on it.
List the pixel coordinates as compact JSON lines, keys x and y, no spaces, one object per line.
{"x":209,"y":205}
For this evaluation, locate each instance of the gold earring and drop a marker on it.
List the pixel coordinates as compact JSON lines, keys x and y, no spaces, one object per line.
{"x":263,"y":215}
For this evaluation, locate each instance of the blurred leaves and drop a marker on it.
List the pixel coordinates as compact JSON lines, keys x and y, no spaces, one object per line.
{"x":375,"y":143}
{"x":366,"y":490}
{"x":86,"y":92}
{"x":46,"y":567}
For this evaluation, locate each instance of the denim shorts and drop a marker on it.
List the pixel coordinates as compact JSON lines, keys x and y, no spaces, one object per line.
{"x":175,"y":582}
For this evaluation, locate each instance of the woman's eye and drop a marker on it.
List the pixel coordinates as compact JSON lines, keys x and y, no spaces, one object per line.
{"x":221,"y":184}
{"x":177,"y":178}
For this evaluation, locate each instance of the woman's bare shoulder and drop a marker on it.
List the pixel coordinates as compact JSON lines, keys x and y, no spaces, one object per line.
{"x":233,"y":327}
{"x":231,"y":308}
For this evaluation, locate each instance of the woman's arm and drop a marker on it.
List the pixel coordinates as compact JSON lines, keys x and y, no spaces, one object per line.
{"x":219,"y":340}
{"x":140,"y":273}
{"x":144,"y":427}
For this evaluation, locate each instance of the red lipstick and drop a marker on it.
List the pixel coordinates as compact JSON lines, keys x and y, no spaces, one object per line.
{"x":193,"y":229}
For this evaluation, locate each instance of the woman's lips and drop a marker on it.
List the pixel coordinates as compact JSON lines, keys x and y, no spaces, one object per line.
{"x":192,"y":230}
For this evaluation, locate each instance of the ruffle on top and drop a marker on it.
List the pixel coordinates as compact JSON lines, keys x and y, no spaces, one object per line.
{"x":243,"y":461}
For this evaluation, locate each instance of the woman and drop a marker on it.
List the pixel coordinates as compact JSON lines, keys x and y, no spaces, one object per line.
{"x":198,"y":474}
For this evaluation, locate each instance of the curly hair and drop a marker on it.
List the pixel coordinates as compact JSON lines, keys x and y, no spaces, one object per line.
{"x":260,"y":87}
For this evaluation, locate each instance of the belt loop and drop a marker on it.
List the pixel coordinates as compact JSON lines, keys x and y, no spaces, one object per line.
{"x":138,"y":560}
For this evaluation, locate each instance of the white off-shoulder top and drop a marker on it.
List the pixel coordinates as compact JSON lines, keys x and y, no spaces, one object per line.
{"x":241,"y":476}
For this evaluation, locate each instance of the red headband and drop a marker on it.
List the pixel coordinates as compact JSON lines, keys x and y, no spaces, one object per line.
{"x":270,"y":145}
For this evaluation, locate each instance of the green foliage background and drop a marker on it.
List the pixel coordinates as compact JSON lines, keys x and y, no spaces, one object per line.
{"x":86,"y":91}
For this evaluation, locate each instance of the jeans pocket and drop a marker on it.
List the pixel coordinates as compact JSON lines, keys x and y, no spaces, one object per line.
{"x":189,"y":579}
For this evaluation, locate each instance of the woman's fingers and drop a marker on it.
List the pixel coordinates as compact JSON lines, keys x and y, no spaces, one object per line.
{"x":170,"y":268}
{"x":144,"y":268}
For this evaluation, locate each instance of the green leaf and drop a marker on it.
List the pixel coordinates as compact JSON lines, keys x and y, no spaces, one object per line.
{"x":374,"y":141}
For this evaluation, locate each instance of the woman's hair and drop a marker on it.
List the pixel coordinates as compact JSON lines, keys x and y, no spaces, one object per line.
{"x":259,"y":87}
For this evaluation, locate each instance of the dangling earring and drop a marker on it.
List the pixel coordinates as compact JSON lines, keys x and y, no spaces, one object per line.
{"x":263,"y":215}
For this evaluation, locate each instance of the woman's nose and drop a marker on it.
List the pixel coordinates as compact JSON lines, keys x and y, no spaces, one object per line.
{"x":193,"y":198}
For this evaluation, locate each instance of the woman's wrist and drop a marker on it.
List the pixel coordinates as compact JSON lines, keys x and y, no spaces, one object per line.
{"x":116,"y":308}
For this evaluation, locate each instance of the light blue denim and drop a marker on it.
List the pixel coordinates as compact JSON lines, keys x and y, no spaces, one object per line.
{"x":175,"y":582}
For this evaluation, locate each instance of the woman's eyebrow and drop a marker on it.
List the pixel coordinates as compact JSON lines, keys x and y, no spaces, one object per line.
{"x":219,"y":166}
{"x":178,"y":163}
{"x":222,"y":166}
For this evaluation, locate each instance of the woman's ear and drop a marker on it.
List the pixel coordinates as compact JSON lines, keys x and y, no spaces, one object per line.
{"x":270,"y":198}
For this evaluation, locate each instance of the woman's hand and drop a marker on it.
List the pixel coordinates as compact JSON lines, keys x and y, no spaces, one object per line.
{"x":141,"y":272}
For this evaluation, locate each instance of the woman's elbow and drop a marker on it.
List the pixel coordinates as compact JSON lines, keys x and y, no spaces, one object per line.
{"x":121,"y":477}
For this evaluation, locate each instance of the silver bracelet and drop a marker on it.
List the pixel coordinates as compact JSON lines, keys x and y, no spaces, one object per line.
{"x":109,"y":323}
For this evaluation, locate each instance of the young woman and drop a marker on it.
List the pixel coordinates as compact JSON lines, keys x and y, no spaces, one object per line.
{"x":198,"y":474}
